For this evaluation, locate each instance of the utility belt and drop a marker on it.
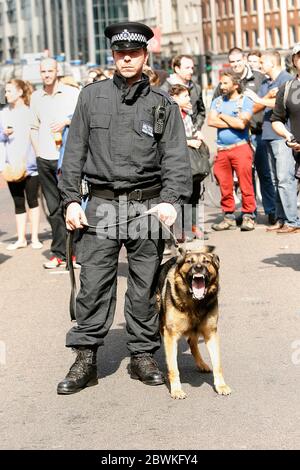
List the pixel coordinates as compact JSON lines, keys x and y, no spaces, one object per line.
{"x":229,"y":147}
{"x":131,"y":195}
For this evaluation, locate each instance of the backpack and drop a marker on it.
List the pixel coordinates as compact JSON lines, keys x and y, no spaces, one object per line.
{"x":219,"y":101}
{"x":287,"y":87}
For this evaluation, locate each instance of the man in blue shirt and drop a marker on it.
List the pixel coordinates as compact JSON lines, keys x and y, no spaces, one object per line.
{"x":231,"y":114}
{"x":281,"y":159}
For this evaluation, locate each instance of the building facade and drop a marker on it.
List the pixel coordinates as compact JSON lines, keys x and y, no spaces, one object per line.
{"x":70,"y":29}
{"x":250,"y":24}
{"x":179,"y":22}
{"x":21,"y":28}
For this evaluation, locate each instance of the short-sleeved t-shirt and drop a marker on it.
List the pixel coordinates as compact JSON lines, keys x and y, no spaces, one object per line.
{"x":267,"y":85}
{"x":231,"y":108}
{"x":290,"y":113}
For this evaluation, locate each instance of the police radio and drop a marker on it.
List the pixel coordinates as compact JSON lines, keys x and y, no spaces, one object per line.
{"x":159,"y":119}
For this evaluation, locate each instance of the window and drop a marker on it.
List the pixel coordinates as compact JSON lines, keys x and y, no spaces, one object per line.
{"x":292,"y":35}
{"x":255,"y":41}
{"x":186,"y":15}
{"x":254,"y":5}
{"x":232,"y":40}
{"x":269,"y":39}
{"x":225,"y":41}
{"x":195,"y":14}
{"x":277,"y":37}
{"x":225,"y":10}
{"x":196,"y":46}
{"x":175,"y":22}
{"x":246,"y":39}
{"x":219,"y":45}
{"x":244,"y":6}
{"x":267,"y":5}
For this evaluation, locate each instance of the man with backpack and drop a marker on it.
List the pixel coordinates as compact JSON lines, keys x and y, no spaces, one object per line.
{"x":252,"y":80}
{"x":287,"y":109}
{"x":280,"y":156}
{"x":231,"y":114}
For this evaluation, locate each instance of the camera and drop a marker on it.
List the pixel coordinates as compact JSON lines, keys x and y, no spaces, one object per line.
{"x":292,"y":140}
{"x":159,"y":119}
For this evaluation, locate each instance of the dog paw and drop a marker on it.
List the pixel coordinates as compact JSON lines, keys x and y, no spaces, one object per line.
{"x":178,"y":394}
{"x":223,"y":389}
{"x":204,"y":368}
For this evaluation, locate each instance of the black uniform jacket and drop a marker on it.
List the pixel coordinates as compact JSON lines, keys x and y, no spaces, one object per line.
{"x":111,"y":142}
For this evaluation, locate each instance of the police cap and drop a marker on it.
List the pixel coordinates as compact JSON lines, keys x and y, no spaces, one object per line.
{"x":128,"y":35}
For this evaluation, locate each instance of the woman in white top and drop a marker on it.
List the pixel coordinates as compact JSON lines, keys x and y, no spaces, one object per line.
{"x":15,"y":123}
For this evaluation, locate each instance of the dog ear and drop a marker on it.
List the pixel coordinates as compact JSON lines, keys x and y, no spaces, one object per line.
{"x":216,"y":260}
{"x":181,"y":256}
{"x":208,"y":249}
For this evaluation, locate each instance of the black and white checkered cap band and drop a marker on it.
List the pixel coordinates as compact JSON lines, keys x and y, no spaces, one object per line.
{"x":126,"y":36}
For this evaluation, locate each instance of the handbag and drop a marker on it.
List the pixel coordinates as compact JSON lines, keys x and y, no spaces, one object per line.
{"x":14,"y":173}
{"x":199,"y":159}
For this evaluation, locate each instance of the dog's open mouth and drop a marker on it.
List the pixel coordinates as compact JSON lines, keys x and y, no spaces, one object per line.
{"x":198,"y":286}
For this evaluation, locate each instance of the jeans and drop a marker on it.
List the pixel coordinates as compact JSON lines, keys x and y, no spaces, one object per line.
{"x":48,"y":180}
{"x":262,"y":166}
{"x":282,"y":167}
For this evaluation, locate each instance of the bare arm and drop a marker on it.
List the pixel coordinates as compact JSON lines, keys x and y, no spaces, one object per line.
{"x":215,"y":121}
{"x":240,"y":122}
{"x":281,"y":130}
{"x":268,"y":101}
{"x":34,"y":133}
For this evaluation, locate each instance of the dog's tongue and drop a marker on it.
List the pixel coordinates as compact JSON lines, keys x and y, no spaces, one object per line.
{"x":198,"y":287}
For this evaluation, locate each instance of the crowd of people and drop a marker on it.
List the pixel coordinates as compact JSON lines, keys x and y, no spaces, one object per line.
{"x":131,"y":133}
{"x":246,"y":110}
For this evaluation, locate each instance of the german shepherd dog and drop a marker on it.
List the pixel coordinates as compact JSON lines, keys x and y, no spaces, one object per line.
{"x":188,"y":303}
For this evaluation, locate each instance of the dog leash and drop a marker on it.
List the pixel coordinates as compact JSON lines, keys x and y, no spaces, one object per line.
{"x":69,"y":253}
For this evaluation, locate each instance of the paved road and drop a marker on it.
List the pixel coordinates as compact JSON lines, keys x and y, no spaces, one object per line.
{"x":260,"y":339}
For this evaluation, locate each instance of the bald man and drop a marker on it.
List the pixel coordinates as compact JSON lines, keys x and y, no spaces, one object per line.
{"x":52,"y":109}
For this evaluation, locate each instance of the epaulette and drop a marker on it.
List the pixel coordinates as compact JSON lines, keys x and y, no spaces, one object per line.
{"x":96,"y":83}
{"x":163,"y":93}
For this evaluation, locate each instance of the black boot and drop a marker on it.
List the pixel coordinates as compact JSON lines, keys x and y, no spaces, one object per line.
{"x":143,"y":367}
{"x":83,"y":373}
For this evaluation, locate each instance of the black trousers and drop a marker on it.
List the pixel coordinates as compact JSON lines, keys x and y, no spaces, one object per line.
{"x":96,"y":300}
{"x":28,"y":187}
{"x":48,"y":180}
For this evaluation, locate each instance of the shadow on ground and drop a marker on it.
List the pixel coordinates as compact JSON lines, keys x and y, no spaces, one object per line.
{"x":285,"y":260}
{"x":114,"y":351}
{"x":4,"y":258}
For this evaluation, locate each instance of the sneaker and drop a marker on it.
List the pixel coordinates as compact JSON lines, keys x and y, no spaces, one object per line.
{"x":199,"y":234}
{"x":225,"y":224}
{"x":16,"y":245}
{"x":36,"y":245}
{"x":54,"y":262}
{"x":75,"y":264}
{"x":248,"y":224}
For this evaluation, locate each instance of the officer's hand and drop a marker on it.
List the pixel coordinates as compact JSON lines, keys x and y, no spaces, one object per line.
{"x":166,"y":213}
{"x":75,"y":216}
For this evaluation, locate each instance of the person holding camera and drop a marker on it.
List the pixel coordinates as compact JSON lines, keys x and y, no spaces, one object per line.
{"x":128,"y":141}
{"x":286,"y":110}
{"x":280,"y":157}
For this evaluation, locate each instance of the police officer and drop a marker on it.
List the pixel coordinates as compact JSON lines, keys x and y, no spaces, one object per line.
{"x":130,"y":165}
